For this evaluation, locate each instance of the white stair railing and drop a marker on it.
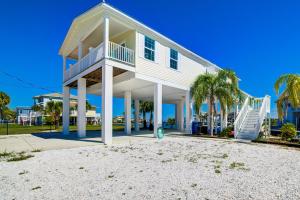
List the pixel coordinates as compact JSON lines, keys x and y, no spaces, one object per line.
{"x":241,"y":117}
{"x":264,"y":109}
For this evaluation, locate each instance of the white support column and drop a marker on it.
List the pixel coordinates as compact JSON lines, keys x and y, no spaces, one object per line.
{"x":181,"y":115}
{"x":81,"y":110}
{"x":176,"y":115}
{"x":64,"y":67}
{"x":187,"y":111}
{"x":137,"y":114}
{"x":106,"y":36}
{"x":79,"y":50}
{"x":127,"y":106}
{"x":107,"y":103}
{"x":66,"y":110}
{"x":157,"y":107}
{"x":64,"y":63}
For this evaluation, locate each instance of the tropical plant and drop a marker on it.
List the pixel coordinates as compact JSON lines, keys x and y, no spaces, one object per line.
{"x":227,"y":132}
{"x":144,"y":109}
{"x":171,"y":121}
{"x":222,"y":87}
{"x":54,"y":109}
{"x":9,"y":114}
{"x":88,"y":106}
{"x":289,"y":95}
{"x":4,"y":101}
{"x":37,"y":108}
{"x":288,"y":131}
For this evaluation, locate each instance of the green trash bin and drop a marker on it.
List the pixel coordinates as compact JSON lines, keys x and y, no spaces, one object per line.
{"x":160,"y":132}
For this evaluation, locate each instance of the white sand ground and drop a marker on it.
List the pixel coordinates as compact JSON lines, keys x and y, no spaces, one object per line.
{"x":174,"y":168}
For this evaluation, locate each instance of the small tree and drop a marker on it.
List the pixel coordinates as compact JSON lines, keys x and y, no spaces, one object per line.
{"x":4,"y":101}
{"x":9,"y":114}
{"x":144,"y":108}
{"x":54,"y":110}
{"x":171,"y":121}
{"x":288,"y":131}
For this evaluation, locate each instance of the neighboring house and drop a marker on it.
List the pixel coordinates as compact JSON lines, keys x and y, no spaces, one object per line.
{"x":117,"y":56}
{"x":43,"y":99}
{"x":293,"y":116}
{"x":25,"y":115}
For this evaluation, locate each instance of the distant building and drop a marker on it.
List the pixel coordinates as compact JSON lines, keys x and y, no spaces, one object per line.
{"x":25,"y":115}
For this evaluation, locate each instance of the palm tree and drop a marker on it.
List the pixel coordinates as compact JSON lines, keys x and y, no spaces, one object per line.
{"x":37,"y":108}
{"x":222,"y":87}
{"x":144,"y":108}
{"x":4,"y":101}
{"x":88,"y":106}
{"x":290,"y":94}
{"x":151,"y":109}
{"x":54,"y":110}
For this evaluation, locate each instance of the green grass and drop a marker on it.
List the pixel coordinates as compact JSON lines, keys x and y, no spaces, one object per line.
{"x":5,"y":154}
{"x":36,"y":150}
{"x":14,"y":129}
{"x":236,"y":165}
{"x":19,"y":156}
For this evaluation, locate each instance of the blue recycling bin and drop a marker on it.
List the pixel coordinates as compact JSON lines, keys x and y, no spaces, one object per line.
{"x":195,"y":126}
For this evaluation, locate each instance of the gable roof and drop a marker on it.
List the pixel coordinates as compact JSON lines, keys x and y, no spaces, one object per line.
{"x":104,"y":7}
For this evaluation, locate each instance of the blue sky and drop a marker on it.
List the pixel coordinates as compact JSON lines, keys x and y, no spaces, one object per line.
{"x":260,"y":40}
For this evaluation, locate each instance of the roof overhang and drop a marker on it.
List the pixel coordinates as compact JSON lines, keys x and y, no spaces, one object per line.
{"x":90,"y":18}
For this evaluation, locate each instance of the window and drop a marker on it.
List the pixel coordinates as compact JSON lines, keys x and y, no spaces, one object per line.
{"x":173,"y":59}
{"x":149,"y":48}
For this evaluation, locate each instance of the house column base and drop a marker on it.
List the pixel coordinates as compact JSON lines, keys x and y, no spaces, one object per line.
{"x":66,"y":110}
{"x":157,"y":107}
{"x":81,"y":116}
{"x":107,"y":104}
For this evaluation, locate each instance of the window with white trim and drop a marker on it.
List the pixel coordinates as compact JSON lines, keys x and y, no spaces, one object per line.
{"x":149,"y":48}
{"x":173,"y":59}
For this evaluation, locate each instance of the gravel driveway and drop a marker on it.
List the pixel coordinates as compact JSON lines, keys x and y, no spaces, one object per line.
{"x":174,"y":168}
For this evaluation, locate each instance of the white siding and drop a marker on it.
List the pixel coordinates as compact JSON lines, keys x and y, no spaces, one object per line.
{"x":187,"y":71}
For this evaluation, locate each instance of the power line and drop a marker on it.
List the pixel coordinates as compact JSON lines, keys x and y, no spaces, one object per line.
{"x":32,"y":85}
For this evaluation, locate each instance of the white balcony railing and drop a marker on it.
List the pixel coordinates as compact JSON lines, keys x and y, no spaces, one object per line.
{"x":115,"y":52}
{"x":95,"y":55}
{"x":120,"y":53}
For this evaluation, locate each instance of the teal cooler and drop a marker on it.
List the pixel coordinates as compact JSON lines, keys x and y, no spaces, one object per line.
{"x":160,"y":133}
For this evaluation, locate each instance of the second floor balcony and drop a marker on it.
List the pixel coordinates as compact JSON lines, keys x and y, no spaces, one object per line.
{"x":116,"y":52}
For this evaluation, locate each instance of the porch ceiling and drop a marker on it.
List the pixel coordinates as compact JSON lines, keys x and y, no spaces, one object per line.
{"x":93,"y":36}
{"x":140,"y":89}
{"x":96,"y":77}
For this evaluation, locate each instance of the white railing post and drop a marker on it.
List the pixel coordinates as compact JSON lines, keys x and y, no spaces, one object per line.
{"x":120,"y":53}
{"x":106,"y":37}
{"x":241,"y":117}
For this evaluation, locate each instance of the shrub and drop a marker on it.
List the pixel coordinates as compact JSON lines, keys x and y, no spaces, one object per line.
{"x":288,"y":131}
{"x":226,"y":132}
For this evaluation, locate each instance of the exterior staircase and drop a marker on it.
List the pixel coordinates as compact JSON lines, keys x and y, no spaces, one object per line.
{"x":250,"y":119}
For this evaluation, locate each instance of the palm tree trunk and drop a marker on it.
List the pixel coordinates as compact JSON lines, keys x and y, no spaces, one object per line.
{"x":211,"y":118}
{"x":144,"y":119}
